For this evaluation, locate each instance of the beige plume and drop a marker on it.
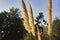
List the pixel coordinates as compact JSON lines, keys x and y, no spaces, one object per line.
{"x":49,"y":19}
{"x":26,"y":18}
{"x":32,"y":21}
{"x":38,"y":33}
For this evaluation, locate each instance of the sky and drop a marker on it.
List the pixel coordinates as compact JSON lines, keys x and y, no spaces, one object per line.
{"x":37,"y":6}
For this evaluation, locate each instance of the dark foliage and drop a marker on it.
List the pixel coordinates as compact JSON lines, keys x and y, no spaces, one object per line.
{"x":11,"y":26}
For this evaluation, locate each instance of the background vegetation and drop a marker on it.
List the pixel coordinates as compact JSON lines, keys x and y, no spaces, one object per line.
{"x":12,"y":28}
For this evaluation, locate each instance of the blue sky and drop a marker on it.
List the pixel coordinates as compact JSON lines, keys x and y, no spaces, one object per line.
{"x":37,"y":6}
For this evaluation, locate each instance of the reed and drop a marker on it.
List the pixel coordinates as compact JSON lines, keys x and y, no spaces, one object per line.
{"x":32,"y":21}
{"x":49,"y":19}
{"x":26,"y":18}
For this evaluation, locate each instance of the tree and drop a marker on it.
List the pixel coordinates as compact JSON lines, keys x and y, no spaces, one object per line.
{"x":11,"y":26}
{"x":56,"y":29}
{"x":40,"y":23}
{"x":39,"y":20}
